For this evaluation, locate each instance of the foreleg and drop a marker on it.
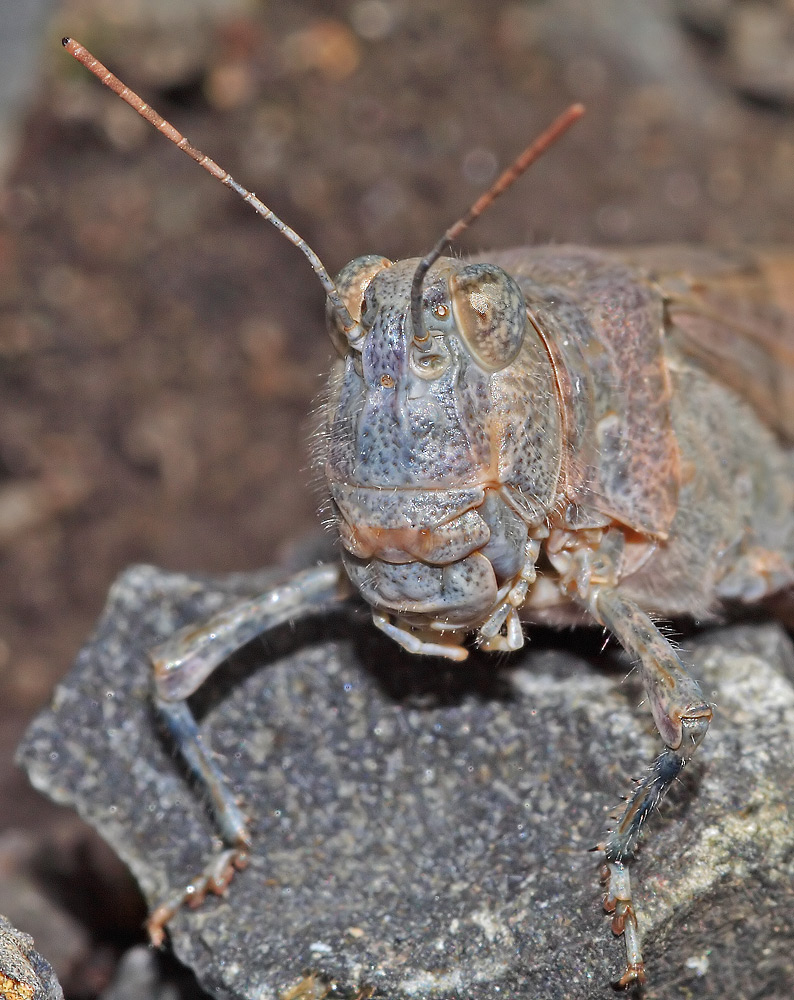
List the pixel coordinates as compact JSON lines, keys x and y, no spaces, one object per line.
{"x":181,"y":665}
{"x":682,"y":717}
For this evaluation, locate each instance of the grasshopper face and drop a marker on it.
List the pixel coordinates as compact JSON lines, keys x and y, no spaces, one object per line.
{"x":421,"y":440}
{"x":411,"y":414}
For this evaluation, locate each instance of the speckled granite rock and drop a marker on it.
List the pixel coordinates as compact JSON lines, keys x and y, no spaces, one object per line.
{"x":423,"y":829}
{"x":24,"y":974}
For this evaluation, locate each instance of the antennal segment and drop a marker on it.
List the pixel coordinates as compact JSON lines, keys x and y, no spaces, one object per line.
{"x":352,"y":329}
{"x":502,"y":183}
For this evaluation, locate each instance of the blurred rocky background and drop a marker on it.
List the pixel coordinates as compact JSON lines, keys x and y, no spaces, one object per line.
{"x":160,"y":347}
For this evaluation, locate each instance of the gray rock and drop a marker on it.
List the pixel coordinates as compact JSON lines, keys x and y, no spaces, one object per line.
{"x":423,"y":829}
{"x":24,"y":974}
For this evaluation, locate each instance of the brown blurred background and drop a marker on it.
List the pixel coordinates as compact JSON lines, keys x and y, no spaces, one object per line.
{"x":160,"y":347}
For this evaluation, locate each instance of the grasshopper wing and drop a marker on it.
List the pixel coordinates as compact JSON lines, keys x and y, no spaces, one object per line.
{"x":733,"y":313}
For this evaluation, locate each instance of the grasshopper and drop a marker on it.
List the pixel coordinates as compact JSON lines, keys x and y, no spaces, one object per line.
{"x":549,"y":435}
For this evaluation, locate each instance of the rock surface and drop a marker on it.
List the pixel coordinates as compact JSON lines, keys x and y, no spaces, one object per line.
{"x":24,"y":974}
{"x":422,"y":830}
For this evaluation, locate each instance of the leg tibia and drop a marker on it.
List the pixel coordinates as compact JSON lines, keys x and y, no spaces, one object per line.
{"x":184,"y":732}
{"x":622,"y":841}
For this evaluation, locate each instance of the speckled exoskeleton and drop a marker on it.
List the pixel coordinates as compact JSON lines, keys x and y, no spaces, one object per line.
{"x":552,"y":435}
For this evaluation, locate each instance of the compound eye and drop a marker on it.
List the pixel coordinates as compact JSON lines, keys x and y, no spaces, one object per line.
{"x":352,"y":283}
{"x":490,"y":314}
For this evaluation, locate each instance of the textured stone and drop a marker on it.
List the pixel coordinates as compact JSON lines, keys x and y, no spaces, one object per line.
{"x":423,"y":828}
{"x":24,"y":974}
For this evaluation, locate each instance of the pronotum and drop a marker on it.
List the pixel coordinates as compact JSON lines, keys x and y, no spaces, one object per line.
{"x":535,"y":435}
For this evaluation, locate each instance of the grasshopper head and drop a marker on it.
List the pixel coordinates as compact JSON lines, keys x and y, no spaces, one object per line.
{"x":429,"y":437}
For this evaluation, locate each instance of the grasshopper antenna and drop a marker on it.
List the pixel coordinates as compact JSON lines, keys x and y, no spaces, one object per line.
{"x":535,"y":150}
{"x":352,"y":329}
